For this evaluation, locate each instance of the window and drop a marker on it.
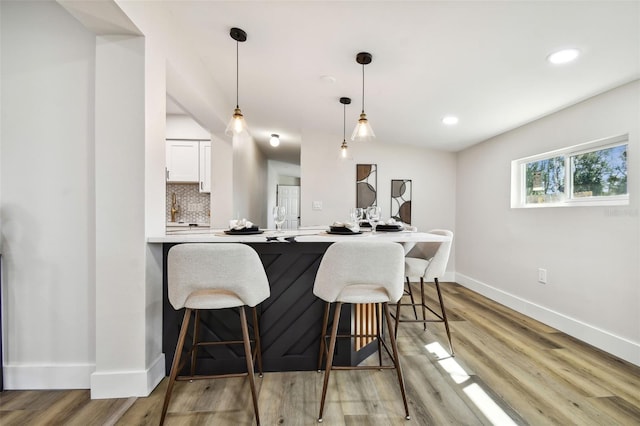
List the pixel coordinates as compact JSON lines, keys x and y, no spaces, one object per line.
{"x":594,"y":173}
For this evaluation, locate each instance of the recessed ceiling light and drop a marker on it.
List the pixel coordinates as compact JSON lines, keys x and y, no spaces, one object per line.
{"x":450,"y":120}
{"x":563,"y":56}
{"x":275,"y":140}
{"x":328,"y":79}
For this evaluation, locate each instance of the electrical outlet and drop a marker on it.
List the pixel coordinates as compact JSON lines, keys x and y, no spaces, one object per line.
{"x":542,"y":276}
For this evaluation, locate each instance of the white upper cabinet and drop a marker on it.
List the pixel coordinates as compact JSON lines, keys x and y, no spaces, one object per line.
{"x":205,"y":166}
{"x":183,"y":161}
{"x":189,"y":161}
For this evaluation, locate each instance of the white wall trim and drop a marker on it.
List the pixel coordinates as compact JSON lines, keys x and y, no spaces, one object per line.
{"x":53,"y":376}
{"x":124,"y":384}
{"x":601,"y":339}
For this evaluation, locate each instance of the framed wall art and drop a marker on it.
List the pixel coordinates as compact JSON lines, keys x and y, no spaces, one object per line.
{"x":401,"y":200}
{"x":366,"y":185}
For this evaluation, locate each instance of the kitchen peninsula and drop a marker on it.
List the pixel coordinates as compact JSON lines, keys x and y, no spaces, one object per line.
{"x":290,"y":319}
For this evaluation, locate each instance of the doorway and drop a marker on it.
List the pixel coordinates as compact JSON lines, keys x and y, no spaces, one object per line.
{"x":289,"y":197}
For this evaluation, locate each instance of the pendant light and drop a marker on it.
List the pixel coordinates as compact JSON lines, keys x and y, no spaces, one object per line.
{"x":363,"y":131}
{"x":237,"y":125}
{"x":344,"y":153}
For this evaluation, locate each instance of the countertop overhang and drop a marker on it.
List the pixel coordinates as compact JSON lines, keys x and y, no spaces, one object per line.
{"x":307,"y":235}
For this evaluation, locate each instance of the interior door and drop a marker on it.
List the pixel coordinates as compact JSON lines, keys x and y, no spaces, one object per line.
{"x":289,"y":197}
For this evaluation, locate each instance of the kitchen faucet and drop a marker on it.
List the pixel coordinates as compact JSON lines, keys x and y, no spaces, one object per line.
{"x":174,"y":207}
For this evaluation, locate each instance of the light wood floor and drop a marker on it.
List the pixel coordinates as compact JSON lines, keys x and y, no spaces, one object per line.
{"x":508,"y":369}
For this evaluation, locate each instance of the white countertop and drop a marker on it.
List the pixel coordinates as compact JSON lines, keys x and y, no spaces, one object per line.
{"x":195,"y":235}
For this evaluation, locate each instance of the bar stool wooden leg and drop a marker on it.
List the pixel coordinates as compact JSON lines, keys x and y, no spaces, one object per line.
{"x":396,"y":360}
{"x":423,"y":303}
{"x":332,"y":346}
{"x":194,"y":342}
{"x":444,"y":315}
{"x":323,"y":333}
{"x":413,"y":301}
{"x":256,"y":336}
{"x":176,"y":363}
{"x":395,"y":331}
{"x":376,"y":306}
{"x":247,"y":354}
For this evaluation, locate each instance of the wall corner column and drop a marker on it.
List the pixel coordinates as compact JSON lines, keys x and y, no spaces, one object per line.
{"x":126,"y":360}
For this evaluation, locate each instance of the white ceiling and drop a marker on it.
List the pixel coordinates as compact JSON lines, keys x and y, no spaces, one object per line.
{"x":483,"y":61}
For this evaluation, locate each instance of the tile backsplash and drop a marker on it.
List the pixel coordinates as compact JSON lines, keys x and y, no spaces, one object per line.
{"x":194,"y":206}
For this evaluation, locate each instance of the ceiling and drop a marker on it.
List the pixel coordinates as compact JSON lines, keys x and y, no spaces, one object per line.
{"x":483,"y":61}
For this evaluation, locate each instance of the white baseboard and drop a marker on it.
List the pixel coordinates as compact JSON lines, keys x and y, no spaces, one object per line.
{"x":124,"y":384}
{"x":36,"y":376}
{"x":601,"y":339}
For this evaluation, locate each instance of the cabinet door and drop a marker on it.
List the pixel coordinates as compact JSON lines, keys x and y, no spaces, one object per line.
{"x":182,"y":161}
{"x":205,"y":166}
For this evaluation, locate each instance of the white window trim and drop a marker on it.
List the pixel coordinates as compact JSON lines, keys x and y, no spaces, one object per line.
{"x":518,"y":176}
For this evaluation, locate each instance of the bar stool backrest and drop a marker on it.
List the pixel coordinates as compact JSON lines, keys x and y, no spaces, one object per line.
{"x":231,"y":267}
{"x":347,"y":263}
{"x":436,"y":253}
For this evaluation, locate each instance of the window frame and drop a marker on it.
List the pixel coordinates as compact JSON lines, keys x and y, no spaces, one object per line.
{"x":518,"y":176}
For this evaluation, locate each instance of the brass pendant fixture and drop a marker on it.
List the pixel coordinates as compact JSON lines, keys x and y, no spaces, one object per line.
{"x":344,"y":149}
{"x":237,"y":125}
{"x":363,"y":131}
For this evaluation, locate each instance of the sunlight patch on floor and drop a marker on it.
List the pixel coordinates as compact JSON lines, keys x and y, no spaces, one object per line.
{"x":448,"y":363}
{"x":476,"y":394}
{"x":488,"y":406}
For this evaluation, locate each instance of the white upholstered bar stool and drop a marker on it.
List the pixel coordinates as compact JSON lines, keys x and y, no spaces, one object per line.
{"x":359,"y":272}
{"x":427,"y":262}
{"x":204,"y":276}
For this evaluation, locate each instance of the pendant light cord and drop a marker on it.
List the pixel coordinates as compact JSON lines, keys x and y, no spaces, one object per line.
{"x":363,"y":88}
{"x":237,"y":75}
{"x":344,"y":123}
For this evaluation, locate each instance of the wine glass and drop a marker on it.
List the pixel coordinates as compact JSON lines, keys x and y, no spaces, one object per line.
{"x":355,"y":214}
{"x":373,"y":216}
{"x":279,"y":214}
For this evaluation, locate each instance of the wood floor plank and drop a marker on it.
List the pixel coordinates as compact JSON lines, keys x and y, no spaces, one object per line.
{"x":620,"y":410}
{"x":97,"y":412}
{"x":30,"y":400}
{"x":517,"y":384}
{"x":145,"y":411}
{"x":290,"y":398}
{"x":17,"y":417}
{"x":619,"y":377}
{"x":434,"y":396}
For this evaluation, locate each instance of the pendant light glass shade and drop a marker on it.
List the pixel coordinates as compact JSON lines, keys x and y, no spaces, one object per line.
{"x":363,"y":131}
{"x":345,"y":154}
{"x":237,"y":125}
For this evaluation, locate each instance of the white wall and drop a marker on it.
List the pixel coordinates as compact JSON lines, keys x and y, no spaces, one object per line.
{"x":332,"y":181}
{"x":249,"y":181}
{"x":83,"y":183}
{"x":222,"y":183}
{"x":120,"y":232}
{"x":155,"y":193}
{"x":47,"y":206}
{"x":185,"y":127}
{"x":591,"y":253}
